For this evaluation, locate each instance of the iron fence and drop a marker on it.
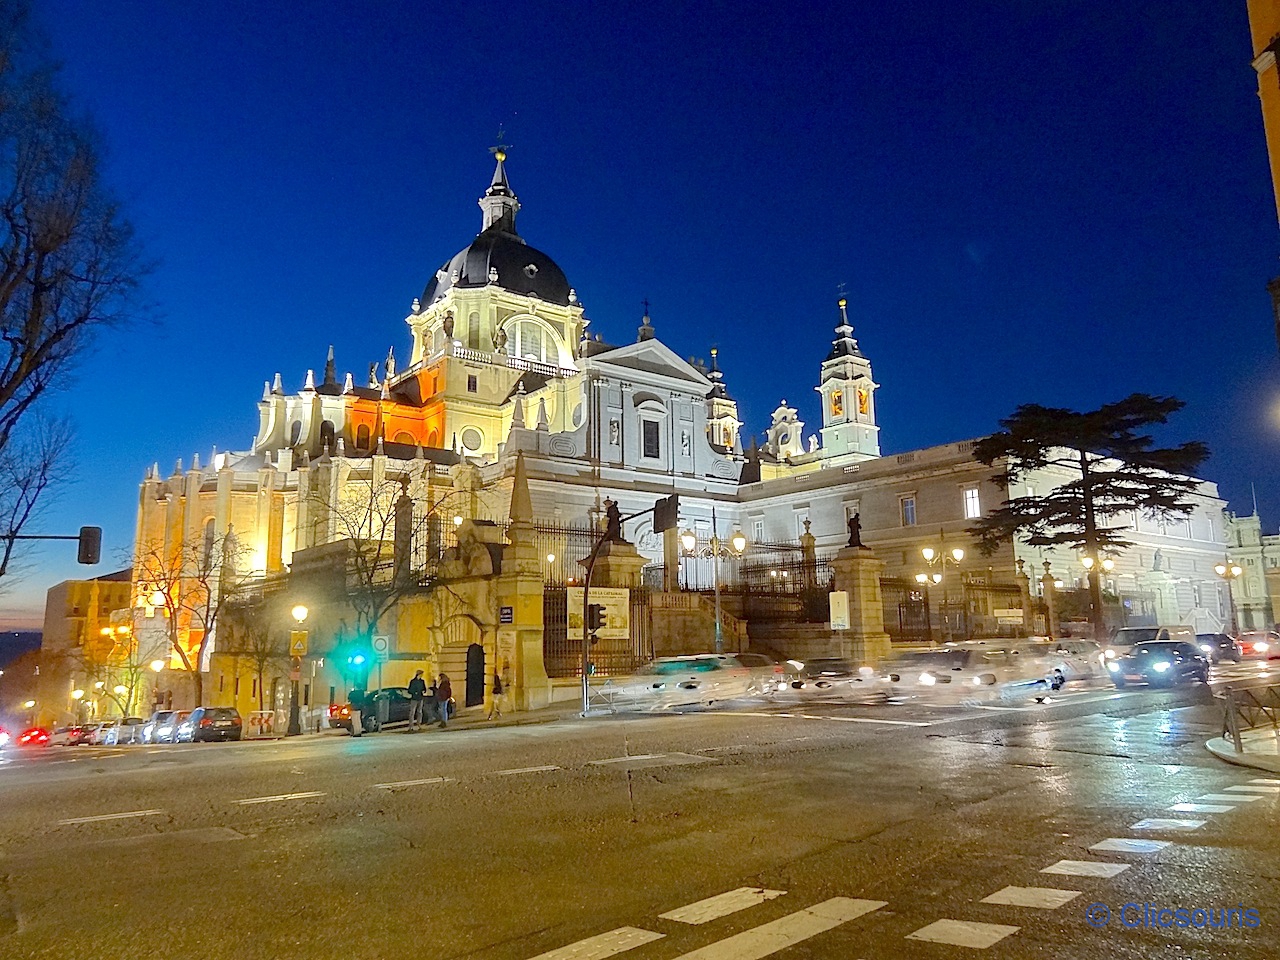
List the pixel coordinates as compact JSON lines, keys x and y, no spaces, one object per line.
{"x":1248,"y":707}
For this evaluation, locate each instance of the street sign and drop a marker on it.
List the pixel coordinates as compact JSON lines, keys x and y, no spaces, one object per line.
{"x":839,"y":609}
{"x":506,"y":614}
{"x":297,"y":643}
{"x":666,"y":514}
{"x":381,"y":649}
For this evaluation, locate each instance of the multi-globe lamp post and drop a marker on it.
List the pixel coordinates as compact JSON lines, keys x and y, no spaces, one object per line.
{"x":938,"y":559}
{"x":715,"y":549}
{"x":299,"y":613}
{"x":1230,"y":572}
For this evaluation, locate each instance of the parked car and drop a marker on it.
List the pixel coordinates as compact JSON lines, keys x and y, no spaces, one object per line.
{"x":34,"y":737}
{"x":768,"y":676}
{"x":397,"y":702}
{"x":81,"y":733}
{"x":1126,"y":637}
{"x":1218,"y":647}
{"x":161,"y":727}
{"x":1160,"y":664}
{"x":828,"y":673}
{"x":210,"y":723}
{"x":682,"y":681}
{"x":122,"y":730}
{"x":1260,"y":644}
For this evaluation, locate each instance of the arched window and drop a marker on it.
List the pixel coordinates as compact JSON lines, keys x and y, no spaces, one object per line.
{"x":433,"y":439}
{"x":437,"y":341}
{"x":363,"y":433}
{"x":473,"y":332}
{"x":295,"y":433}
{"x":529,"y":340}
{"x":405,"y":436}
{"x":206,"y":551}
{"x":326,"y":434}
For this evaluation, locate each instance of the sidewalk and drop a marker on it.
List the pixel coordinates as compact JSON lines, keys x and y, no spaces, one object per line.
{"x":1261,"y":750}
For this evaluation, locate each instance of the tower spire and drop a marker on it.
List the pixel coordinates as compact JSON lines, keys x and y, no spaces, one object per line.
{"x":844,"y":345}
{"x":499,"y":203}
{"x":718,"y":392}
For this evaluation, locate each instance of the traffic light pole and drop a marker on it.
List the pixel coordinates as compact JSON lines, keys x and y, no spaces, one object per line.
{"x":586,"y":610}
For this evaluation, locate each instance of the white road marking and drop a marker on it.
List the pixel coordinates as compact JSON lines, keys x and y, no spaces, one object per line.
{"x":639,"y":756}
{"x":604,"y":945}
{"x":1086,"y":868}
{"x":713,"y":908}
{"x":412,"y":783}
{"x":1229,"y":797}
{"x":1265,"y":780}
{"x":1201,"y":808}
{"x":811,"y":716}
{"x":1046,"y":898}
{"x":1126,"y":845}
{"x":280,"y":796}
{"x":113,"y":816}
{"x":1160,"y":823}
{"x":512,"y":773}
{"x":1251,"y":788}
{"x":963,"y":933}
{"x":786,"y":931}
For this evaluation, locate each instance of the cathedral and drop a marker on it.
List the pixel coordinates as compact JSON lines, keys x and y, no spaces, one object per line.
{"x":503,"y":366}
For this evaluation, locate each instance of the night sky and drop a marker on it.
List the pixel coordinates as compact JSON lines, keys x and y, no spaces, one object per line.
{"x":1059,"y":202}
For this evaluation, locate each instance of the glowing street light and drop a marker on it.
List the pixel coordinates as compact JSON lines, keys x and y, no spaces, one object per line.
{"x":939,"y":558}
{"x":1229,"y":571}
{"x":77,"y":694}
{"x":300,"y":612}
{"x":157,"y":665}
{"x":715,"y":549}
{"x":120,"y":690}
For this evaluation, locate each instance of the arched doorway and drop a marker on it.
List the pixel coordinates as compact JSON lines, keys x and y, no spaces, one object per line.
{"x":475,"y":675}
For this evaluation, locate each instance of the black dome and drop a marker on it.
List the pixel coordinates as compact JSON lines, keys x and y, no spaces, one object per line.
{"x":520,"y":269}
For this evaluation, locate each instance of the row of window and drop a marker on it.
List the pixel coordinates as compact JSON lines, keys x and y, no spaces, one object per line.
{"x":971,"y":503}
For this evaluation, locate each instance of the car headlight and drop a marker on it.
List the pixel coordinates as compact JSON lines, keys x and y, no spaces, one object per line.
{"x":928,"y":679}
{"x":976,"y":681}
{"x":1206,"y":648}
{"x":1262,"y":646}
{"x":1161,"y":666}
{"x":1113,"y":667}
{"x":866,"y":671}
{"x":1110,"y":654}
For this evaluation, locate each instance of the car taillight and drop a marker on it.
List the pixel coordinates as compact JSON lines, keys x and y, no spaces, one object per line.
{"x":206,"y":722}
{"x":235,"y":722}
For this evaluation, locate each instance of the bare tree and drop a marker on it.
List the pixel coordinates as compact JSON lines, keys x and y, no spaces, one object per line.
{"x":247,"y":626}
{"x":394,"y":526}
{"x":30,"y":464}
{"x":118,"y":660}
{"x":69,"y":263}
{"x":192,"y":581}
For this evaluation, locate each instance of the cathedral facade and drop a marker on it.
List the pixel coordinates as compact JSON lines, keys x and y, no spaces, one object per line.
{"x":503,"y":363}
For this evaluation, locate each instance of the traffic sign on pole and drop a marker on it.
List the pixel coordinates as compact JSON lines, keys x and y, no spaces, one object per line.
{"x":381,"y":649}
{"x":297,"y":643}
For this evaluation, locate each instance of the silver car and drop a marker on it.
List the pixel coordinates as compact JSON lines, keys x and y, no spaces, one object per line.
{"x":121,"y":730}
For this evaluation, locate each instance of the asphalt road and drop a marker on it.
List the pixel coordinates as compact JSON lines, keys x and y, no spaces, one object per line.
{"x":816,"y":828}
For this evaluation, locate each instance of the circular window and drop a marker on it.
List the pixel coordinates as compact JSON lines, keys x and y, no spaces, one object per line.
{"x":577,"y":415}
{"x":471,"y":438}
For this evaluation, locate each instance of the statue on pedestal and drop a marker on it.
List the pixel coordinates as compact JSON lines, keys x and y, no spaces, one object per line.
{"x":613,"y":522}
{"x":855,"y":530}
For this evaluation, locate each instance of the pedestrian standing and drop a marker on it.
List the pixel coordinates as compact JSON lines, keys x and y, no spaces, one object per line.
{"x":444,"y":693}
{"x":499,"y":697}
{"x":432,"y":703}
{"x":417,"y":691}
{"x":356,"y":704}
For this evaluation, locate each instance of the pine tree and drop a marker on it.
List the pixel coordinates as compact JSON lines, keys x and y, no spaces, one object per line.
{"x":1120,"y":472}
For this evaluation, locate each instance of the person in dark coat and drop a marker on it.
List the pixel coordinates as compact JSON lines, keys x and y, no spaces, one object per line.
{"x":357,"y":701}
{"x":417,"y":693}
{"x":444,"y":693}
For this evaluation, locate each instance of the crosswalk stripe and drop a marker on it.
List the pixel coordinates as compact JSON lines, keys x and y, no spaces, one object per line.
{"x":603,"y":945}
{"x":1229,"y":797}
{"x":1265,"y":780}
{"x":512,"y":773}
{"x":280,"y":796}
{"x":1127,"y":845}
{"x":1201,"y":808}
{"x":1252,"y":788}
{"x":786,"y":931}
{"x":713,"y":908}
{"x":1161,"y":823}
{"x":396,"y":784}
{"x":963,"y":933}
{"x":1086,"y":868}
{"x":1045,"y":898}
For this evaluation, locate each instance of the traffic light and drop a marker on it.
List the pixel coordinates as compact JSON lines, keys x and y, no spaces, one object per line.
{"x":90,"y":545}
{"x":595,"y":616}
{"x":356,"y":659}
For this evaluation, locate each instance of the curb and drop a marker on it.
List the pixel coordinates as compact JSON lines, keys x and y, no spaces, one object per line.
{"x":1226,"y":752}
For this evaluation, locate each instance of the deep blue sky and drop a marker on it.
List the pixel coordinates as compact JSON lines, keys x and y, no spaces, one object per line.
{"x":1060,"y":202}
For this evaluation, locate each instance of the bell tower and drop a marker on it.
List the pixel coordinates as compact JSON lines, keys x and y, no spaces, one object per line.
{"x":849,"y":431}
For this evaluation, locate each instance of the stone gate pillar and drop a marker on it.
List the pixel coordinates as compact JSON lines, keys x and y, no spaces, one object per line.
{"x":857,"y":572}
{"x":519,"y":644}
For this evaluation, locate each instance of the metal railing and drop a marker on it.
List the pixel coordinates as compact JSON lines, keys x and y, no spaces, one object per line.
{"x":1248,"y":707}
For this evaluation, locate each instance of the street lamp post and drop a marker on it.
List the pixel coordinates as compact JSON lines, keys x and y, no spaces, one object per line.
{"x":299,"y":613}
{"x":1229,"y":571}
{"x":940,"y":558}
{"x":715,"y":549}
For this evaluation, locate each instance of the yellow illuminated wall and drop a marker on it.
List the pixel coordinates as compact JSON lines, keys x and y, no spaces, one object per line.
{"x":1264,"y":25}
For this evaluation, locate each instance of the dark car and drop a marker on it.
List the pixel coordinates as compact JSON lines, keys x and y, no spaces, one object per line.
{"x":210,"y":723}
{"x":395,"y":700}
{"x":826,"y":673}
{"x":1218,"y":647}
{"x":1160,"y":664}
